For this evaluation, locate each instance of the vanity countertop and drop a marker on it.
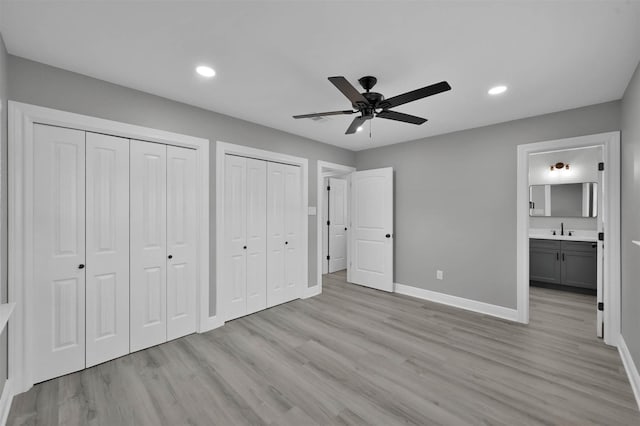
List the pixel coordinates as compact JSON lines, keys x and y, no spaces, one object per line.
{"x":547,"y":234}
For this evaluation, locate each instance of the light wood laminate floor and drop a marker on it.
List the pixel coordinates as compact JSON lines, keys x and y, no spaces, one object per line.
{"x":357,"y":356}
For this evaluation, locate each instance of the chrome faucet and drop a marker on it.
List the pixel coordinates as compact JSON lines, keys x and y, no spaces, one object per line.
{"x":561,"y":228}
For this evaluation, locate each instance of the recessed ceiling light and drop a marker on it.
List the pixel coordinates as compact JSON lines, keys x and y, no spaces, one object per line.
{"x":205,"y":71}
{"x":359,"y":129}
{"x":497,"y":90}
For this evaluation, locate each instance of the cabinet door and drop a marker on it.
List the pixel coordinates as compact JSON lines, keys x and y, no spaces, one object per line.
{"x":234,"y":291}
{"x":544,"y":265}
{"x":580,"y":268}
{"x":107,"y":269}
{"x":59,"y":226}
{"x":256,"y":235}
{"x":148,"y":289}
{"x":181,"y":241}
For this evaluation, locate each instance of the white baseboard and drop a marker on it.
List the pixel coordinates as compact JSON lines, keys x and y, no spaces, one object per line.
{"x":5,"y":401}
{"x":630,"y":367}
{"x":458,"y":302}
{"x":312,"y":291}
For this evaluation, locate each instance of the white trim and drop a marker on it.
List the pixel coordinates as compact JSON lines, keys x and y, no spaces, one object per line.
{"x":5,"y":401}
{"x":457,"y":302}
{"x":636,"y":242}
{"x":312,"y":291}
{"x":224,"y":148}
{"x":326,"y":169}
{"x":6,"y":309}
{"x":630,"y":367}
{"x":611,"y":213}
{"x":21,"y":120}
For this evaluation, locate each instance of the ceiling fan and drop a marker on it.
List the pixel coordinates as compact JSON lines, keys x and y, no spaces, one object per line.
{"x":372,"y":104}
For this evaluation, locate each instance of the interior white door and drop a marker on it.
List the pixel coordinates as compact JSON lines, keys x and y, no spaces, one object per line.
{"x":256,"y":235}
{"x":371,"y":229}
{"x":181,"y":241}
{"x":235,"y":236}
{"x":284,"y":204}
{"x":148,"y":216}
{"x":337,"y":224}
{"x":59,"y":224}
{"x":107,"y":246}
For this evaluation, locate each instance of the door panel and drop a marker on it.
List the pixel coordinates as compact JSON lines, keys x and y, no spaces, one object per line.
{"x":181,"y":241}
{"x":256,"y":235}
{"x":148,"y":188}
{"x":292,"y":227}
{"x":59,"y":225}
{"x":276,"y":234}
{"x":107,"y":269}
{"x":235,"y":236}
{"x":338,"y":224}
{"x":372,"y":228}
{"x":544,"y":265}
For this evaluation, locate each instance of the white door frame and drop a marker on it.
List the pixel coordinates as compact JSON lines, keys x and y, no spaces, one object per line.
{"x":611,"y":212}
{"x":224,"y":148}
{"x":325,"y":169}
{"x":21,"y":239}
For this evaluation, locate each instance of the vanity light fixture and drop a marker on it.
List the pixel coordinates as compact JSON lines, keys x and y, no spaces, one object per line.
{"x":559,"y":166}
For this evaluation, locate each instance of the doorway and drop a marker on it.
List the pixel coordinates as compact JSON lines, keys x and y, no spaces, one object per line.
{"x":607,"y":227}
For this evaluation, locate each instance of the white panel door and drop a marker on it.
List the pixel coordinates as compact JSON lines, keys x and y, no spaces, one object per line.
{"x":59,"y":231}
{"x":284,"y":204}
{"x":107,"y":245}
{"x":256,"y":235}
{"x":371,"y":229}
{"x":148,"y":289}
{"x":337,"y":224}
{"x":234,"y":290}
{"x":181,"y":241}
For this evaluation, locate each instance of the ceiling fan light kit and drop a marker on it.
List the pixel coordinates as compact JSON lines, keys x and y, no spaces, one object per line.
{"x":373,"y":104}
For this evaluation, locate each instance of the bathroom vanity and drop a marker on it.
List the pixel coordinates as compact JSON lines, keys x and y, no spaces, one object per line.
{"x":564,"y":261}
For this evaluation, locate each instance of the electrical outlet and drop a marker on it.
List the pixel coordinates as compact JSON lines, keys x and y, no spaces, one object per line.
{"x":439,"y":275}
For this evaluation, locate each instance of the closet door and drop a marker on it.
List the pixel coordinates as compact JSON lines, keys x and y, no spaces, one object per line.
{"x":181,"y":241}
{"x":107,"y":245}
{"x":235,"y":237}
{"x":256,"y":235}
{"x":59,"y":231}
{"x":148,"y":289}
{"x":283,"y":228}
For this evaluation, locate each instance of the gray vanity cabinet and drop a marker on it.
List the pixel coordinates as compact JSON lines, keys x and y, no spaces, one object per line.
{"x":568,"y":263}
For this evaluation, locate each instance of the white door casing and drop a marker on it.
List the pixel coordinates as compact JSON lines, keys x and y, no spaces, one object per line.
{"x":107,"y":248}
{"x":371,"y":228}
{"x":58,"y":304}
{"x":338,"y":224}
{"x":256,"y":235}
{"x":148,"y":287}
{"x":181,"y":242}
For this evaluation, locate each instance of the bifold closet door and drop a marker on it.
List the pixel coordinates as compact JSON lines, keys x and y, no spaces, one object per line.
{"x":181,"y":241}
{"x":107,"y":247}
{"x":245,"y":236}
{"x":284,"y":204}
{"x":148,"y":244}
{"x":59,"y":230}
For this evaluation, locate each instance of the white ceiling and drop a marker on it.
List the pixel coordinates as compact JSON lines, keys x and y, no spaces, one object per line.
{"x":273,"y":58}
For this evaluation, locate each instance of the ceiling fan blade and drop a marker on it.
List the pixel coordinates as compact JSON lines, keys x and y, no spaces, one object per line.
{"x":322,"y":114}
{"x":399,"y":116}
{"x":349,"y":91}
{"x":357,"y":122}
{"x":414,"y":95}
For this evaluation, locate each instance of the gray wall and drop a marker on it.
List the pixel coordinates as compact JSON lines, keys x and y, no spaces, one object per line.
{"x":455,"y":207}
{"x":39,"y":84}
{"x":630,"y":179}
{"x":3,"y":204}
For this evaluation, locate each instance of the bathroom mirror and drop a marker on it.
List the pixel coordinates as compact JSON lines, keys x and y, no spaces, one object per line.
{"x":564,"y":200}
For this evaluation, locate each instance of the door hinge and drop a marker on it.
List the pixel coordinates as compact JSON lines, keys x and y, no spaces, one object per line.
{"x":328,"y":222}
{"x":328,"y":188}
{"x":601,"y":236}
{"x":328,"y":257}
{"x":600,"y":166}
{"x":532,"y":205}
{"x":601,"y":306}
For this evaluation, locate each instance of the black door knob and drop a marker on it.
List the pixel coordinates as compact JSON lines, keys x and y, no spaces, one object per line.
{"x":170,"y":256}
{"x":286,"y":242}
{"x":345,"y":229}
{"x":244,"y":247}
{"x":81,"y":266}
{"x":388,"y":235}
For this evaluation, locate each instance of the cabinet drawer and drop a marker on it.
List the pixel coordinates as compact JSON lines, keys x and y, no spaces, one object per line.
{"x":535,"y":243}
{"x":579,"y":246}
